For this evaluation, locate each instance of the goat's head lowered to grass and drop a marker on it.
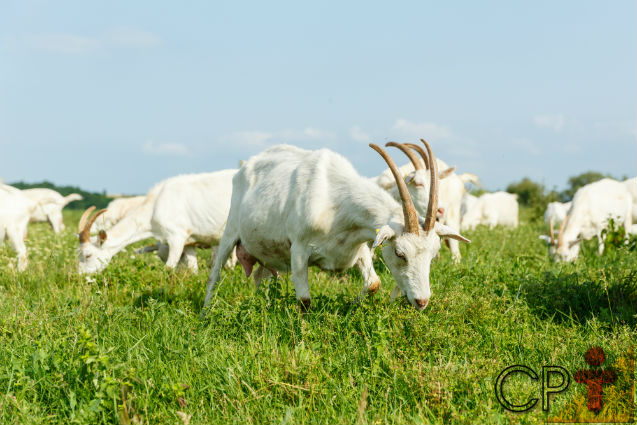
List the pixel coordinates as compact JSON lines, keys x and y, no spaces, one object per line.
{"x":409,"y":248}
{"x":92,"y":258}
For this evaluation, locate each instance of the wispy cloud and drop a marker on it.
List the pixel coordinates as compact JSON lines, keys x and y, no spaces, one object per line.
{"x":359,"y":135}
{"x":62,"y":43}
{"x":428,"y":130}
{"x":165,"y":149}
{"x":264,"y":138}
{"x":131,"y":37}
{"x":526,"y":145}
{"x":79,"y":44}
{"x":554,"y":122}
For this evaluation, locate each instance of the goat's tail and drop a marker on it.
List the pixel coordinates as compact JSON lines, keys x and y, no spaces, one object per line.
{"x":469,"y":178}
{"x":72,"y":197}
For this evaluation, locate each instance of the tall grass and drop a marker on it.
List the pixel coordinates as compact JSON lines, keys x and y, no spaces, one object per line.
{"x":127,"y":345}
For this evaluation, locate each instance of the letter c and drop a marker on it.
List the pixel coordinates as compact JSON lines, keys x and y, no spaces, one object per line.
{"x":499,"y":392}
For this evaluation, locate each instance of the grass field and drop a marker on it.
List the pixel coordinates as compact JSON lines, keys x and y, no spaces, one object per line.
{"x":127,"y":345}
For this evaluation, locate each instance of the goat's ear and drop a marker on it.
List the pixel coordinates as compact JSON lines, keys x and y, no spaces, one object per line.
{"x":575,"y":242}
{"x":447,"y":232}
{"x":546,"y":238}
{"x":385,"y":233}
{"x":446,"y":173}
{"x":101,"y":237}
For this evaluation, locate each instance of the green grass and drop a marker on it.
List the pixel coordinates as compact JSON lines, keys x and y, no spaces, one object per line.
{"x":127,"y":345}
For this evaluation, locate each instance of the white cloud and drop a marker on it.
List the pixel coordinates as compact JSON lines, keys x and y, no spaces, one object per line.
{"x":426,"y":130}
{"x":63,"y":43}
{"x":359,"y":135}
{"x":131,"y":37}
{"x":250,"y":138}
{"x":264,"y":138}
{"x":553,"y":122}
{"x":165,"y":149}
{"x":78,"y":44}
{"x":527,"y":145}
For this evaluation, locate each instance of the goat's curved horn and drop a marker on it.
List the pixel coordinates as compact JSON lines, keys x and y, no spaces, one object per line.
{"x":409,"y":211}
{"x":410,"y":154}
{"x":551,"y":231}
{"x":432,"y":208}
{"x":85,"y":233}
{"x":85,"y":216}
{"x":560,"y":235}
{"x":422,"y":153}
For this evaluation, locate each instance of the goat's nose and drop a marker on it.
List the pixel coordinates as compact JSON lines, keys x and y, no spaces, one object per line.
{"x":421,"y":303}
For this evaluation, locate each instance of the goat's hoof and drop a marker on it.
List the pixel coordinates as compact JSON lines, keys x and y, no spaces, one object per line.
{"x":305,"y":304}
{"x":373,"y":288}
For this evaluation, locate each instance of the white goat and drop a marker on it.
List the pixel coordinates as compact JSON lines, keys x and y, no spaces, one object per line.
{"x":179,"y":212}
{"x":468,"y":202}
{"x":451,"y":189}
{"x":556,"y":211}
{"x":116,"y":210}
{"x":631,"y":185}
{"x":492,"y":209}
{"x":292,"y":208}
{"x":50,"y":205}
{"x":15,"y":210}
{"x":593,"y":205}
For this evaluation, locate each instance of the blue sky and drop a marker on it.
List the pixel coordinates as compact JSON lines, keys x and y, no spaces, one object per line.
{"x":118,"y":95}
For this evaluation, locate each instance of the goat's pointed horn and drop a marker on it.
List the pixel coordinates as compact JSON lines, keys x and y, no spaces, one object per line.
{"x":85,"y":233}
{"x":432,"y":207}
{"x":409,"y":211}
{"x":410,"y":154}
{"x":551,"y":231}
{"x":422,"y":153}
{"x":85,"y":216}
{"x":560,"y":235}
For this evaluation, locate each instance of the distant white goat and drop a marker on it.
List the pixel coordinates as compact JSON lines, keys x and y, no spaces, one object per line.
{"x":492,"y":209}
{"x":556,"y":211}
{"x":179,"y":212}
{"x":50,"y":206}
{"x":593,"y":205}
{"x":631,"y":185}
{"x":116,"y":210}
{"x":468,"y":202}
{"x":15,"y":210}
{"x":292,"y":208}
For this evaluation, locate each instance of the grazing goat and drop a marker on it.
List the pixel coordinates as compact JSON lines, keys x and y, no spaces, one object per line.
{"x":556,"y":211}
{"x":179,"y":212}
{"x":593,"y":205}
{"x":15,"y":211}
{"x":292,"y":208}
{"x":50,"y":205}
{"x":492,"y":209}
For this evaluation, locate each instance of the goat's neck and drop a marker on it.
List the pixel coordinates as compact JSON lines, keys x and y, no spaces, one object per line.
{"x":135,"y":226}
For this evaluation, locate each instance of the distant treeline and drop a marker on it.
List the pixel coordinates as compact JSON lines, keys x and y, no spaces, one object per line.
{"x":100,"y":200}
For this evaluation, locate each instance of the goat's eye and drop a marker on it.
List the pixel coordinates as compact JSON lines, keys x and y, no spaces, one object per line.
{"x":87,"y":256}
{"x":400,"y":255}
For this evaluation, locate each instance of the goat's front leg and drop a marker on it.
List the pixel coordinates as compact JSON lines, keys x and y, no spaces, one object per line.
{"x":300,"y":255}
{"x":371,"y":281}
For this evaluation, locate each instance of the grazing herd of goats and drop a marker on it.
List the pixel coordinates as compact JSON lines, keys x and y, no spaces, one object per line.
{"x":286,"y":209}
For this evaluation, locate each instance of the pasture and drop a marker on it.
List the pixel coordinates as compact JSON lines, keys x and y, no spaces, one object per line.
{"x":127,"y":345}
